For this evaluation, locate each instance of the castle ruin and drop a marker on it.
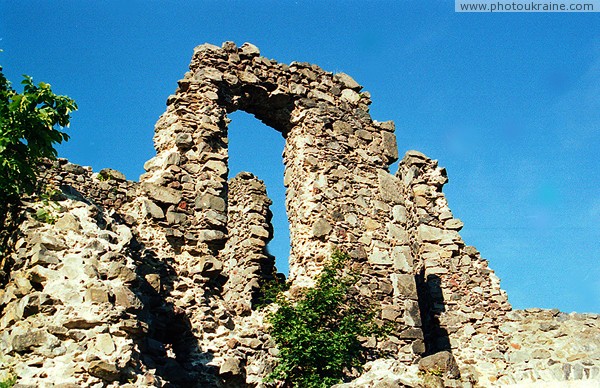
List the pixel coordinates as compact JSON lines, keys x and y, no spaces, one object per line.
{"x":163,"y":274}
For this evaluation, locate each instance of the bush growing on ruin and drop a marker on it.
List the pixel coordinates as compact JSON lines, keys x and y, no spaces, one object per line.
{"x":318,"y":333}
{"x":30,"y":124}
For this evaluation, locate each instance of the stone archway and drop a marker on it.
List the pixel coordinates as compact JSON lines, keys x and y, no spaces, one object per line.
{"x":332,"y":156}
{"x":338,"y":189}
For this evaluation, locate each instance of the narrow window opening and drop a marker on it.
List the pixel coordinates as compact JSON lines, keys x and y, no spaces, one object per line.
{"x":256,"y":148}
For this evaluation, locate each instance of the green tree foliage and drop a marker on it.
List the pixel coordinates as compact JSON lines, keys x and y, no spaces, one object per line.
{"x":28,"y":132}
{"x":318,"y":334}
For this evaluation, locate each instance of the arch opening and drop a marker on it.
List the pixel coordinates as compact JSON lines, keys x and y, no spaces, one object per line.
{"x":256,"y":148}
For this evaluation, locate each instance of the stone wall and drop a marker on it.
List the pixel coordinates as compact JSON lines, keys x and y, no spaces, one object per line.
{"x":69,"y":312}
{"x":334,"y":157}
{"x":247,"y":263}
{"x":458,"y":292}
{"x":107,"y":188}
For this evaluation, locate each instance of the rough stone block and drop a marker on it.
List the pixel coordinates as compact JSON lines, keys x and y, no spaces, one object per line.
{"x":104,"y":370}
{"x":162,"y":194}
{"x":104,"y":344}
{"x":24,"y":342}
{"x":391,"y":312}
{"x":176,"y":218}
{"x":209,"y":201}
{"x":208,"y":235}
{"x":402,"y":259}
{"x":124,"y":297}
{"x":397,"y":234}
{"x":431,"y":234}
{"x":454,"y":224}
{"x":380,"y":257}
{"x":390,"y":146}
{"x":390,"y":188}
{"x":441,"y":362}
{"x":96,"y":295}
{"x":321,"y":228}
{"x":347,"y":81}
{"x":404,"y":285}
{"x":210,"y":266}
{"x":412,"y":315}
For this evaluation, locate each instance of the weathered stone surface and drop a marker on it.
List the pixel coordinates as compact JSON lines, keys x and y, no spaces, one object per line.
{"x":454,"y":224}
{"x":390,"y":146}
{"x":389,"y":187}
{"x":125,"y":298}
{"x":96,"y":294}
{"x":162,"y":194}
{"x":151,"y":209}
{"x":350,"y":96}
{"x":398,"y":234}
{"x":176,"y":217}
{"x":105,"y":344}
{"x":41,"y":256}
{"x":209,"y":235}
{"x":380,"y":257}
{"x":209,"y":265}
{"x":24,"y":342}
{"x":347,"y":81}
{"x":184,"y":141}
{"x":440,"y":363}
{"x":321,"y":228}
{"x":208,"y":201}
{"x":431,"y":234}
{"x":250,"y":50}
{"x":104,"y":370}
{"x":231,"y":366}
{"x":412,"y":316}
{"x":402,"y":259}
{"x":404,"y":285}
{"x":68,"y":222}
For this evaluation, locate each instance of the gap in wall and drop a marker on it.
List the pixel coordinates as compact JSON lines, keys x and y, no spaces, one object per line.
{"x":257,"y":148}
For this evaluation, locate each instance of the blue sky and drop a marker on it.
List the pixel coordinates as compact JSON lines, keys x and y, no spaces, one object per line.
{"x":508,"y":103}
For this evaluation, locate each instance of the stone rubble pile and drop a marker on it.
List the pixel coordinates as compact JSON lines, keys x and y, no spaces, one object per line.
{"x":120,"y":283}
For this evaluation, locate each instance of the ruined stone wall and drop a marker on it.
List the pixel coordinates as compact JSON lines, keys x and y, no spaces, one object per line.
{"x":154,"y":283}
{"x":68,"y":312}
{"x":459,"y":294}
{"x":108,"y":188}
{"x":334,"y":156}
{"x":247,"y":264}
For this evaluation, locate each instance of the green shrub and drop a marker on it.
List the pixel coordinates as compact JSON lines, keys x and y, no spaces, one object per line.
{"x":104,"y":176}
{"x":28,"y":133}
{"x":270,"y":291}
{"x":45,"y":215}
{"x":318,"y":334}
{"x":48,"y":213}
{"x":9,"y":382}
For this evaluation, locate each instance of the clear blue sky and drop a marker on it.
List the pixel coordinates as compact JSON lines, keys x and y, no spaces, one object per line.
{"x":508,"y":103}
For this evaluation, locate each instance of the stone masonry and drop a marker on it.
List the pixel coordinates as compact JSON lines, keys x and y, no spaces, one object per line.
{"x":154,"y":283}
